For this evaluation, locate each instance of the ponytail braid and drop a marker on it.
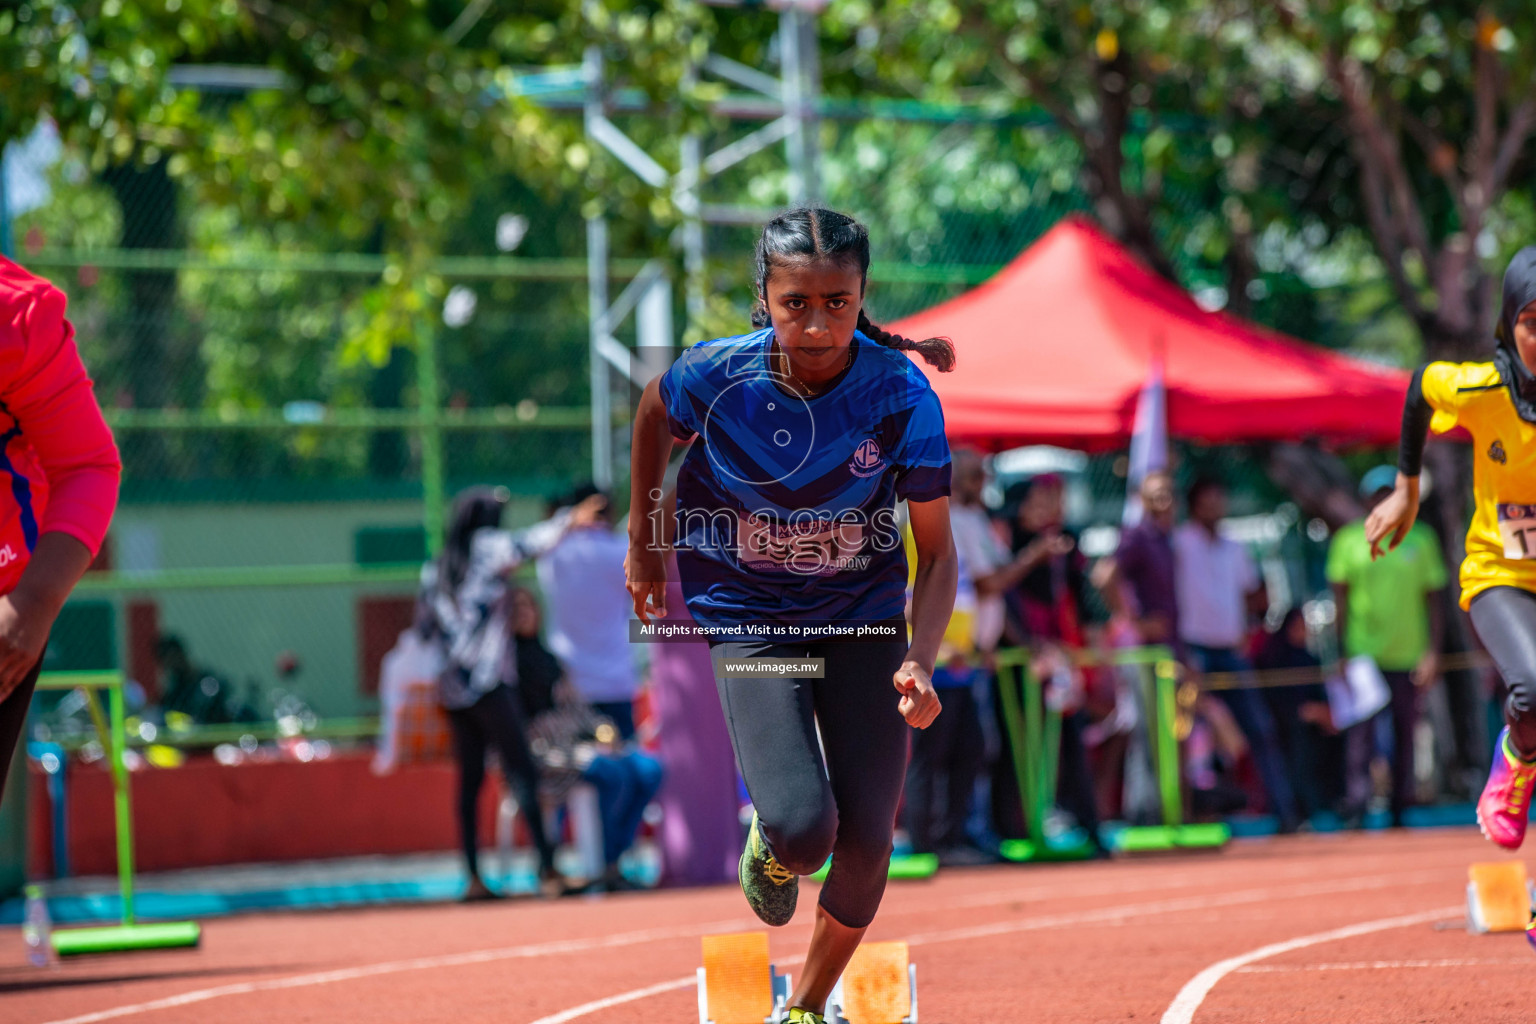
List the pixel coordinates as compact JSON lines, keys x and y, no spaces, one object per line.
{"x":938,"y":353}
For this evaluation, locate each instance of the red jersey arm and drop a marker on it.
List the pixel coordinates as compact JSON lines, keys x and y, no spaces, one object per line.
{"x":43,"y":385}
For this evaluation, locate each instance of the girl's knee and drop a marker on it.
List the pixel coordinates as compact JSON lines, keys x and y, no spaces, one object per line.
{"x":868,"y":848}
{"x":803,"y":841}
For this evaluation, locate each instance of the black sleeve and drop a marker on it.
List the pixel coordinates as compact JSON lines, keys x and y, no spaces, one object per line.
{"x":1416,"y":417}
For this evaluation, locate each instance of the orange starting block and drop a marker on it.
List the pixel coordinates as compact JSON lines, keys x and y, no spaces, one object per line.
{"x":879,"y":986}
{"x":1499,"y":897}
{"x":737,"y":984}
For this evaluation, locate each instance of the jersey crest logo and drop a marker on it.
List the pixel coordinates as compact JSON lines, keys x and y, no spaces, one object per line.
{"x":867,"y":458}
{"x":1496,"y":453}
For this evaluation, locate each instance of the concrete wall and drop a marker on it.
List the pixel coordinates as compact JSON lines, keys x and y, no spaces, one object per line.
{"x":239,"y":632}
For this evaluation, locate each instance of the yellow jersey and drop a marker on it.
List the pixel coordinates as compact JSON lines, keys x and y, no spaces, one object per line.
{"x":1501,"y":540}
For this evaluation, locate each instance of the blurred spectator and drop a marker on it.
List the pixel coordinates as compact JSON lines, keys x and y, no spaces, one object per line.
{"x":990,"y":571}
{"x":1219,"y":587}
{"x":1137,"y":583}
{"x":1313,"y":748}
{"x":462,"y":607}
{"x":941,"y":777}
{"x":197,"y":691}
{"x":1143,"y":565}
{"x":1389,"y":609}
{"x":947,"y":757}
{"x":1047,"y":603}
{"x":582,"y":578}
{"x":573,"y":742}
{"x":1127,"y":777}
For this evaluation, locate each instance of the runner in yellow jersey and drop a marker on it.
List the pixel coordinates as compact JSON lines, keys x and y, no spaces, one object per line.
{"x":1496,"y":403}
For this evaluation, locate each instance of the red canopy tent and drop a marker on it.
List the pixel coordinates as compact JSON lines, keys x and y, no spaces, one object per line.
{"x":1056,"y":348}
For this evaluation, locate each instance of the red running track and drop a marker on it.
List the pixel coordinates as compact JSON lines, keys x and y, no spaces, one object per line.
{"x":1314,"y":928}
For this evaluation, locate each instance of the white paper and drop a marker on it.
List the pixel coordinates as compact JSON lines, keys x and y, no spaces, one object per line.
{"x":1360,"y":694}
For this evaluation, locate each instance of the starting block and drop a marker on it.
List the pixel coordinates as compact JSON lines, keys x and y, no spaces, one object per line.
{"x":879,"y":986}
{"x":737,"y":984}
{"x":1499,"y":897}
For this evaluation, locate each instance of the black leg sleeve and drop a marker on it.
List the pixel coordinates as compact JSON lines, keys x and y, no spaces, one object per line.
{"x":13,"y":716}
{"x":1505,"y":620}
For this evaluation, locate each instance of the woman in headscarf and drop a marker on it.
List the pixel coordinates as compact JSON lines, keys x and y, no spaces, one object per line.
{"x":463,"y":606}
{"x":1496,"y":403}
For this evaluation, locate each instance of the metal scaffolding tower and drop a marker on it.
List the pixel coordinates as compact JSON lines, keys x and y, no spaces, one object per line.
{"x":790,"y":99}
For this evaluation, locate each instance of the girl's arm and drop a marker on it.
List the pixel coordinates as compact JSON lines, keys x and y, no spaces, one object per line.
{"x":48,"y":393}
{"x":645,"y":567}
{"x":1394,"y":517}
{"x":933,"y":600}
{"x":501,"y":552}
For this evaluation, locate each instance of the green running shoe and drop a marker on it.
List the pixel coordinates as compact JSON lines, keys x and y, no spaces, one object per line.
{"x":771,"y":888}
{"x":799,"y":1016}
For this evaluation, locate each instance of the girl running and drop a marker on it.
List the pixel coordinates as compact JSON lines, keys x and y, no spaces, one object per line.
{"x":1496,"y":403}
{"x":809,"y":430}
{"x":60,"y":469}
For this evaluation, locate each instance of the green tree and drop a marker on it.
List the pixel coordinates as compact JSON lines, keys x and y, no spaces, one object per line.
{"x":1146,"y":89}
{"x":1429,"y":110}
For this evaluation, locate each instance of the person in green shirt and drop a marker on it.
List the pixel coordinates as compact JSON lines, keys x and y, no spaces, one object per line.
{"x":1389,"y":609}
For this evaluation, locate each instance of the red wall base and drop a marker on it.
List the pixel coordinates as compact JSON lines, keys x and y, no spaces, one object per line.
{"x":205,"y":813}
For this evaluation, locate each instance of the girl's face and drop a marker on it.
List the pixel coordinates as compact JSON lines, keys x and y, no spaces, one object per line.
{"x":1525,"y":336}
{"x":814,"y":308}
{"x":525,"y":614}
{"x":1042,"y":508}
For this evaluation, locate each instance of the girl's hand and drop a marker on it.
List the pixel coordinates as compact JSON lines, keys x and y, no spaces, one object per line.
{"x":588,"y":510}
{"x":919,"y":704}
{"x":645,"y":577}
{"x":1394,"y":517}
{"x":23,"y":634}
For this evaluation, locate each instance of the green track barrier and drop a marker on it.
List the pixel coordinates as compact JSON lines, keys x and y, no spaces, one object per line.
{"x":113,"y":734}
{"x":126,"y":938}
{"x":1034,"y":736}
{"x":903,"y":866}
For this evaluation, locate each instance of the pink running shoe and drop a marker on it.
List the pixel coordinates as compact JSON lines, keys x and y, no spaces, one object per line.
{"x":1502,"y":811}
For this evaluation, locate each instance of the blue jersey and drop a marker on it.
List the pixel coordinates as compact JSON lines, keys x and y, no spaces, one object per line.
{"x":786,"y":505}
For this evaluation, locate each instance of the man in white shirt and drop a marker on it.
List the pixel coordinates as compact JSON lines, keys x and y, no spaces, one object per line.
{"x":1218,"y":588}
{"x":582,"y":578}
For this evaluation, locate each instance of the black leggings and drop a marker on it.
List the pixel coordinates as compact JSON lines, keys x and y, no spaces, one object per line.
{"x":13,"y":716}
{"x":496,"y":721}
{"x":1505,"y":620}
{"x":845,"y":808}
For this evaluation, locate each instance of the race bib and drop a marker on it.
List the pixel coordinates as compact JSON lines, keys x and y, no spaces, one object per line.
{"x":815,"y":548}
{"x":1517,"y":525}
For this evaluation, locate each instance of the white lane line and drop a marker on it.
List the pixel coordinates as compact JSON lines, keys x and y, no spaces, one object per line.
{"x":1187,"y":1002}
{"x":1107,"y":914}
{"x":618,"y":1000}
{"x":1173,"y":906}
{"x":555,"y":948}
{"x":1376,"y":965}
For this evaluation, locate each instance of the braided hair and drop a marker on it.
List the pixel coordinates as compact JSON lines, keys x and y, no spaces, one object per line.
{"x":810,"y":235}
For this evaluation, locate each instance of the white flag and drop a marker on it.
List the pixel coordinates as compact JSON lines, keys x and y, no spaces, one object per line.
{"x":1149,"y":441}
